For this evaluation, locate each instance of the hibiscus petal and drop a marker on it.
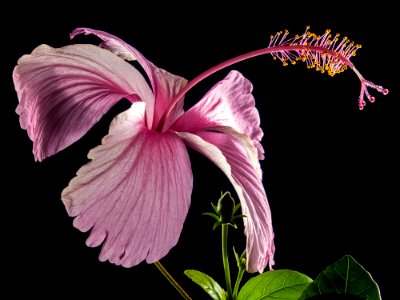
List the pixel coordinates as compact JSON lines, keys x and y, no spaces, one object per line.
{"x":64,"y":92}
{"x":229,"y":104}
{"x":165,"y":85}
{"x":135,"y":193}
{"x":228,"y":153}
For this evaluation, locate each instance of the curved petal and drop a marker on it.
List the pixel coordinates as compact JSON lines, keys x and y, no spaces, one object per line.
{"x":63,"y":92}
{"x":135,"y":193}
{"x":231,"y":157}
{"x":229,"y":104}
{"x":165,"y":85}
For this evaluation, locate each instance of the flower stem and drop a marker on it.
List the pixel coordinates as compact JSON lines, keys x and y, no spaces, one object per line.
{"x":237,"y":283}
{"x":172,"y":280}
{"x":225,"y":260}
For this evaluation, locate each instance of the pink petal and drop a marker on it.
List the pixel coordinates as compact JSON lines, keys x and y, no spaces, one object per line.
{"x":135,"y":193}
{"x":228,"y":104}
{"x":64,"y":92}
{"x":228,"y":153}
{"x":165,"y":85}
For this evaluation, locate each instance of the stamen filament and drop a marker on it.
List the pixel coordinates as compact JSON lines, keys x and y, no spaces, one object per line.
{"x":319,"y":52}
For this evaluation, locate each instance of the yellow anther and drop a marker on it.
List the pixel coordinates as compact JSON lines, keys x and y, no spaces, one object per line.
{"x":318,"y":51}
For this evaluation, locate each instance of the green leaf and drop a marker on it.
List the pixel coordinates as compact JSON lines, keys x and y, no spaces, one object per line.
{"x":237,"y":206}
{"x":211,"y":215}
{"x":239,"y":216}
{"x":346,"y":276}
{"x":208,"y":284}
{"x":240,"y":260}
{"x":278,"y":284}
{"x":214,"y":207}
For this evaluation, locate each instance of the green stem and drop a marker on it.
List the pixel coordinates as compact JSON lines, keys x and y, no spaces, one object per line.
{"x":237,"y":283}
{"x":172,"y":280}
{"x":225,"y":260}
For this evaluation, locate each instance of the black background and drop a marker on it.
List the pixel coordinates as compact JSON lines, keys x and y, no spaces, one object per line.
{"x":331,"y":171}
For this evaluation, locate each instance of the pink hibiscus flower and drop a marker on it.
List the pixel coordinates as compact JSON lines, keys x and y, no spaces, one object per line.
{"x":135,"y":192}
